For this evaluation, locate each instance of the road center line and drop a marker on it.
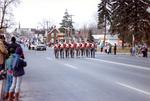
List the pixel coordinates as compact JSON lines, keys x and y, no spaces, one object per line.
{"x":123,"y":64}
{"x":68,"y":65}
{"x":71,"y":66}
{"x":133,"y":88}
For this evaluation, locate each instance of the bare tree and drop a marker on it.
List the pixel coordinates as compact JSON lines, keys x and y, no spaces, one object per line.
{"x":88,"y":29}
{"x":6,"y":12}
{"x":45,"y":24}
{"x":93,"y":24}
{"x":84,"y":32}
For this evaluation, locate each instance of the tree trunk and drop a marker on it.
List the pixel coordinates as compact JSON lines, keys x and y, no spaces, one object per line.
{"x":147,"y":36}
{"x":105,"y":31}
{"x":55,"y":38}
{"x":123,"y":41}
{"x":2,"y":19}
{"x":133,"y":40}
{"x":3,"y":16}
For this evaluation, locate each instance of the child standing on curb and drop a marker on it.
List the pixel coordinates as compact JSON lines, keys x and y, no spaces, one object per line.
{"x":18,"y":72}
{"x":9,"y":69}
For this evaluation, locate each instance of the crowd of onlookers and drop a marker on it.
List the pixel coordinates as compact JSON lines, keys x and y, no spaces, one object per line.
{"x":108,"y":48}
{"x":12,"y":64}
{"x":136,"y":50}
{"x":139,"y":49}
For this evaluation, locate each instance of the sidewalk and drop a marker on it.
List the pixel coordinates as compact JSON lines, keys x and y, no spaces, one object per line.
{"x":140,"y":55}
{"x":127,"y":54}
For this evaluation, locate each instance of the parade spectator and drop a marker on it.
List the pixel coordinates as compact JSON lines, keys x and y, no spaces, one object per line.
{"x":14,"y":45}
{"x":133,"y":51}
{"x":18,"y":72}
{"x":9,"y":69}
{"x":3,"y":53}
{"x":110,"y":48}
{"x":102,"y":46}
{"x":144,"y":50}
{"x":4,"y":41}
{"x":115,"y":49}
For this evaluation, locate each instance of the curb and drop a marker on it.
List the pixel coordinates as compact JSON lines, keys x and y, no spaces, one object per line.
{"x":128,"y":54}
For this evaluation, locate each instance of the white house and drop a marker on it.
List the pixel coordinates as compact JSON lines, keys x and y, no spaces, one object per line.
{"x":112,"y":39}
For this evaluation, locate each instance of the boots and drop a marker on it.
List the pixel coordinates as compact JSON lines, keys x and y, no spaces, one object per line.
{"x":16,"y":97}
{"x":10,"y":96}
{"x":6,"y":96}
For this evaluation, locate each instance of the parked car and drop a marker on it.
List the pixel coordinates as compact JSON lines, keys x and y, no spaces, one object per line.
{"x":33,"y":46}
{"x":41,"y":47}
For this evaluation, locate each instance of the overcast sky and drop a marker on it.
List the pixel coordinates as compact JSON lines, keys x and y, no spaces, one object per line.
{"x":30,"y":12}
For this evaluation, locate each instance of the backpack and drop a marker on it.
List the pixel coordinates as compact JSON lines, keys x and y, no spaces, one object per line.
{"x":18,"y":69}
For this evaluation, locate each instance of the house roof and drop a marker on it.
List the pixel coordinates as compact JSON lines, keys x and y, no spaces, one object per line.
{"x":53,"y":30}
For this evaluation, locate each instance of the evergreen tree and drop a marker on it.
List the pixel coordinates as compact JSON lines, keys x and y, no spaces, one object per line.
{"x":120,"y":19}
{"x":131,"y":17}
{"x":140,"y":18}
{"x":104,"y":14}
{"x":67,"y":24}
{"x":90,"y":37}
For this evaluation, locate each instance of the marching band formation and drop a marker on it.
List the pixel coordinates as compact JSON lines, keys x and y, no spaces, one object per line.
{"x":73,"y":49}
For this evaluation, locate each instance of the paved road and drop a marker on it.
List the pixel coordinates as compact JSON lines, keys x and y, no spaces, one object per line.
{"x":105,"y":78}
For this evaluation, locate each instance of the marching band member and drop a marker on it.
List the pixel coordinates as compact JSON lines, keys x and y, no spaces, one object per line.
{"x":67,"y":50}
{"x":87,"y":48}
{"x":56,"y":50}
{"x":75,"y":46}
{"x":72,"y":50}
{"x":93,"y":49}
{"x":61,"y":51}
{"x":82,"y":49}
{"x":77,"y":49}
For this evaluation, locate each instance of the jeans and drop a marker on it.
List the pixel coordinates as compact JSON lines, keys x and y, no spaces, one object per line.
{"x":15,"y":87}
{"x":8,"y":83}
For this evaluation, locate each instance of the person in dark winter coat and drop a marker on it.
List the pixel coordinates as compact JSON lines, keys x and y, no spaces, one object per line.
{"x":18,"y":72}
{"x":115,"y":49}
{"x":14,"y":45}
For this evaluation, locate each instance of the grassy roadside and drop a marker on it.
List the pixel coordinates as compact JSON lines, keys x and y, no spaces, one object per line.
{"x":125,"y":50}
{"x":121,"y":50}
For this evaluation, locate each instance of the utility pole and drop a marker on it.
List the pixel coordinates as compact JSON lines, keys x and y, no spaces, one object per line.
{"x":46,"y":28}
{"x":105,"y":30}
{"x":71,"y":26}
